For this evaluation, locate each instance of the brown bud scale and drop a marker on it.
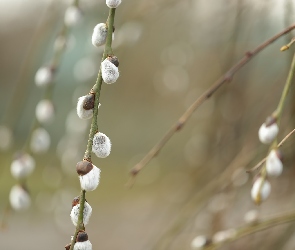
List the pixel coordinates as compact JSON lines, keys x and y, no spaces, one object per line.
{"x":82,"y":236}
{"x":88,"y":102}
{"x":83,"y":167}
{"x":114,"y":60}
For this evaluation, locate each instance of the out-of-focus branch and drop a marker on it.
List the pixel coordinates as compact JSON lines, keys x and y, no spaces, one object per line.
{"x":264,"y":159}
{"x":227,"y":77}
{"x":254,"y":228}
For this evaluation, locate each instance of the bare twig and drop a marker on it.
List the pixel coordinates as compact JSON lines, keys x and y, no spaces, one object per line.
{"x":227,"y":77}
{"x":263,"y":160}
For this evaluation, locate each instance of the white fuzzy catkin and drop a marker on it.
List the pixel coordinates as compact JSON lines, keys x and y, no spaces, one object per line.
{"x":110,"y":72}
{"x":86,"y":213}
{"x":22,"y":166}
{"x":199,"y":242}
{"x":274,"y":166}
{"x":99,"y":34}
{"x":44,"y":76}
{"x":81,"y":112}
{"x":268,"y":133}
{"x":90,"y":181}
{"x":19,"y":198}
{"x":101,"y":145}
{"x":260,"y":193}
{"x":251,"y":216}
{"x":222,"y":236}
{"x":113,"y":3}
{"x":40,"y":141}
{"x":84,"y":245}
{"x":45,"y":111}
{"x":73,"y":16}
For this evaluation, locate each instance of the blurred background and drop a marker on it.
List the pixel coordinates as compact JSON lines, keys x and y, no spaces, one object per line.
{"x":170,"y":52}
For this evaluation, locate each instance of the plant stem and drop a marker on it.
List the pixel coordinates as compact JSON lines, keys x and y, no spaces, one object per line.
{"x":227,"y":77}
{"x":254,"y":228}
{"x":94,"y":128}
{"x":97,"y":87}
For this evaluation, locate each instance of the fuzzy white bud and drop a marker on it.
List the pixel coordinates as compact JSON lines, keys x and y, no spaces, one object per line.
{"x":73,"y":16}
{"x":113,"y":3}
{"x":84,"y":245}
{"x":19,"y":198}
{"x":44,"y":76}
{"x":110,"y":72}
{"x":40,"y":141}
{"x":99,"y":34}
{"x":86,"y":213}
{"x":251,"y":216}
{"x":22,"y":166}
{"x":274,"y":165}
{"x":268,"y":133}
{"x":101,"y":145}
{"x":222,"y":236}
{"x":260,"y":190}
{"x":45,"y":111}
{"x":199,"y":242}
{"x":90,"y":181}
{"x":85,"y":106}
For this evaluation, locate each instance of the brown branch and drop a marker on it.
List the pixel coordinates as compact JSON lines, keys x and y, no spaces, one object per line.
{"x":227,"y":77}
{"x":264,"y":159}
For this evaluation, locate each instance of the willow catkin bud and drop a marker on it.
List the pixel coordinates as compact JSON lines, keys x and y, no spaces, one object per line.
{"x":274,"y":165}
{"x":99,"y":34}
{"x":85,"y":106}
{"x":45,"y":111}
{"x":75,"y":212}
{"x":82,"y":242}
{"x":268,"y":130}
{"x":22,"y":166}
{"x":73,"y":16}
{"x":260,"y":190}
{"x":40,"y":141}
{"x":199,"y":242}
{"x":109,"y":70}
{"x":89,"y":175}
{"x":113,"y":3}
{"x":44,"y":76}
{"x":101,"y":145}
{"x":19,"y":198}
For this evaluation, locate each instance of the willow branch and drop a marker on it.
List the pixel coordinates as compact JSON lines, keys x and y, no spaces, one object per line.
{"x":257,"y":227}
{"x":96,"y":89}
{"x":227,"y":77}
{"x":279,"y":145}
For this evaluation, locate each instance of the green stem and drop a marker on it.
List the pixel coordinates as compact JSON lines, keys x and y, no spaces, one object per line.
{"x":279,"y":110}
{"x":93,"y":129}
{"x":97,"y":87}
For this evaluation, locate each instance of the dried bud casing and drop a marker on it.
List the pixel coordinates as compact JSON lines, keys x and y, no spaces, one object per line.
{"x":99,"y":34}
{"x":113,"y":3}
{"x":44,"y":76}
{"x":101,"y":145}
{"x":22,"y":166}
{"x":110,"y":72}
{"x":40,"y":141}
{"x":45,"y":111}
{"x":73,"y":16}
{"x":274,"y":165}
{"x":19,"y":198}
{"x":90,"y":180}
{"x":268,"y":133}
{"x":260,"y":190}
{"x":86,"y":213}
{"x":85,"y":106}
{"x":83,"y":167}
{"x":82,"y":242}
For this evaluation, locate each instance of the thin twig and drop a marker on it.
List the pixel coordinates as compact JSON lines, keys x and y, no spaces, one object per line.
{"x":263,"y":160}
{"x":227,"y":77}
{"x":257,"y":227}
